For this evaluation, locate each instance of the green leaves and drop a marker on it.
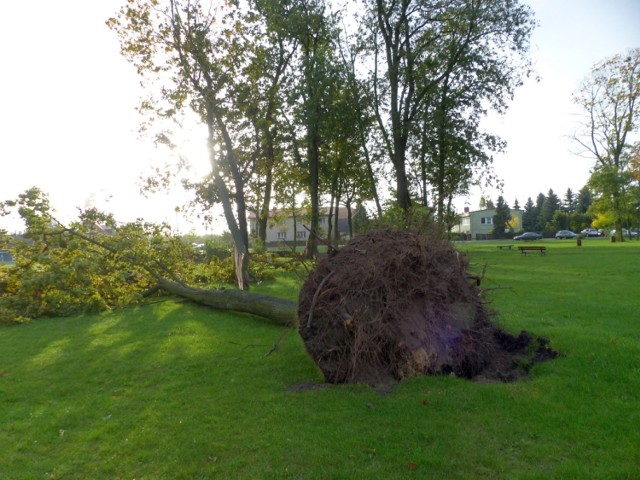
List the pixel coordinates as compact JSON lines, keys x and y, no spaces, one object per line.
{"x":91,"y":265}
{"x":608,"y":98}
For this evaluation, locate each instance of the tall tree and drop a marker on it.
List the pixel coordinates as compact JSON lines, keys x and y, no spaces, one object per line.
{"x":501,"y":218}
{"x":608,"y":98}
{"x":550,"y":204}
{"x":459,"y":48}
{"x":313,"y":27}
{"x":529,"y":215}
{"x":538,"y":226}
{"x":569,"y":201}
{"x":195,"y":54}
{"x":268,"y":74}
{"x":583,"y":200}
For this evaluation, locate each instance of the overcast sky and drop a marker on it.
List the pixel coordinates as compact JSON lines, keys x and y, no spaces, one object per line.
{"x":68,"y":123}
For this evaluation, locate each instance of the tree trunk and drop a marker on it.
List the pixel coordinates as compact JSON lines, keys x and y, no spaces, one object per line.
{"x":266,"y":204}
{"x":372,"y":178}
{"x":336,"y":216}
{"x":241,"y":267}
{"x":280,"y":311}
{"x":402,"y":185}
{"x":314,"y":160}
{"x":237,"y":227}
{"x":263,"y":218}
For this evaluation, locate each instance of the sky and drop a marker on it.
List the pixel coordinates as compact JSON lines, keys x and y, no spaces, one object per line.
{"x":573,"y":35}
{"x":68,"y":120}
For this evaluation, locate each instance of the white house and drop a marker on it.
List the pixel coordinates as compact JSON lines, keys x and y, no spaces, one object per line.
{"x":285,"y":230}
{"x":478,"y":225}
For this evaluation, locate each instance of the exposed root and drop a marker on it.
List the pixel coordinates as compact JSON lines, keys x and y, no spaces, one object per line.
{"x":393,"y":304}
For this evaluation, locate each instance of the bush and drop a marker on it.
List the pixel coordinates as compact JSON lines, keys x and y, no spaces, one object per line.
{"x":217,"y":249}
{"x":417,"y":219}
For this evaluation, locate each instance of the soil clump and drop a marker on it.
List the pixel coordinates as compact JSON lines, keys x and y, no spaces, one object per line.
{"x":395,"y":304}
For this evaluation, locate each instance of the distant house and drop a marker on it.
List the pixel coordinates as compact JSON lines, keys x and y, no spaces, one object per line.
{"x":478,"y":225}
{"x":282,"y":230}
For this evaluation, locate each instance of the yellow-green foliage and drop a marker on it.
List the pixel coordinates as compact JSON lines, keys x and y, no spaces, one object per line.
{"x":92,"y":264}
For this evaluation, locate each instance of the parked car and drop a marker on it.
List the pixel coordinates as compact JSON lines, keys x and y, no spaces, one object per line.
{"x":591,"y":232}
{"x":625,"y":233}
{"x":565,"y":234}
{"x":528,"y":236}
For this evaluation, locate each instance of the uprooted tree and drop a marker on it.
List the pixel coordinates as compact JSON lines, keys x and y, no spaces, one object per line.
{"x":93,"y":264}
{"x":394,"y":304}
{"x":389,"y":305}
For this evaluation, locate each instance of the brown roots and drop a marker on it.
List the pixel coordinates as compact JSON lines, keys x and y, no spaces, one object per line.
{"x":394,"y":304}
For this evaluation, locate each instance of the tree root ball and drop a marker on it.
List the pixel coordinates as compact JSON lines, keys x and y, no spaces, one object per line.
{"x":395,"y":304}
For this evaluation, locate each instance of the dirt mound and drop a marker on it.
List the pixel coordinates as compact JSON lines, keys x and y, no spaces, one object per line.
{"x":395,"y":304}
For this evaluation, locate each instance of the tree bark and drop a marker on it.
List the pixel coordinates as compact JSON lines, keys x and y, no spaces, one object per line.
{"x":278,"y":310}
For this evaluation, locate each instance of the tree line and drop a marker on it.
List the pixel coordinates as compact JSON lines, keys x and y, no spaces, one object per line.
{"x":305,"y":101}
{"x":574,"y":211}
{"x":548,"y":214}
{"x":607,"y":133}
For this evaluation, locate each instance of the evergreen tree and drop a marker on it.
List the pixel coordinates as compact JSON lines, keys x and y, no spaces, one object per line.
{"x":569,"y":201}
{"x":549,"y":206}
{"x":516,"y":205}
{"x":584,"y":200}
{"x":529,"y":215}
{"x":539,"y":224}
{"x":501,"y":218}
{"x":360,"y":219}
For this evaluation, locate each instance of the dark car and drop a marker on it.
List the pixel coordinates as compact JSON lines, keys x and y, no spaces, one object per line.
{"x":565,"y":234}
{"x":528,"y":236}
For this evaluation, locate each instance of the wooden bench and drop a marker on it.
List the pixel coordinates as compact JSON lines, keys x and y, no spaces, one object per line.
{"x":504,"y":246}
{"x":526,"y":249}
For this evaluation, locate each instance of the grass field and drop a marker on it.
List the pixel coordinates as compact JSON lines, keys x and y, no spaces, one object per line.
{"x":177,"y":391}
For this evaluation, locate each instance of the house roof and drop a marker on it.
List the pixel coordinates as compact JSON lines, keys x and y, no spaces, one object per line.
{"x":489,"y":210}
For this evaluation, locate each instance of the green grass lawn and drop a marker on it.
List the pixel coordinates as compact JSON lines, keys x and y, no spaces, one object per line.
{"x":177,"y":391}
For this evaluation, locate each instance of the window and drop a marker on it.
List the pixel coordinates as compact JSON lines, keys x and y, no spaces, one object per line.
{"x":301,"y":234}
{"x":486,"y":220}
{"x":282,"y":235}
{"x":466,"y":221}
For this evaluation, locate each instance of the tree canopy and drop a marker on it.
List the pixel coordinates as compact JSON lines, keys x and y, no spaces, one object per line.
{"x":296,"y":106}
{"x":608,"y":99}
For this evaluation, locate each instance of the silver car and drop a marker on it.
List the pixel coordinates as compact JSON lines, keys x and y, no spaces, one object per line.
{"x":565,"y":234}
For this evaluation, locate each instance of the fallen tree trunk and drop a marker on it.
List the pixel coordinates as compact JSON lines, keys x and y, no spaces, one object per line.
{"x":278,"y":310}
